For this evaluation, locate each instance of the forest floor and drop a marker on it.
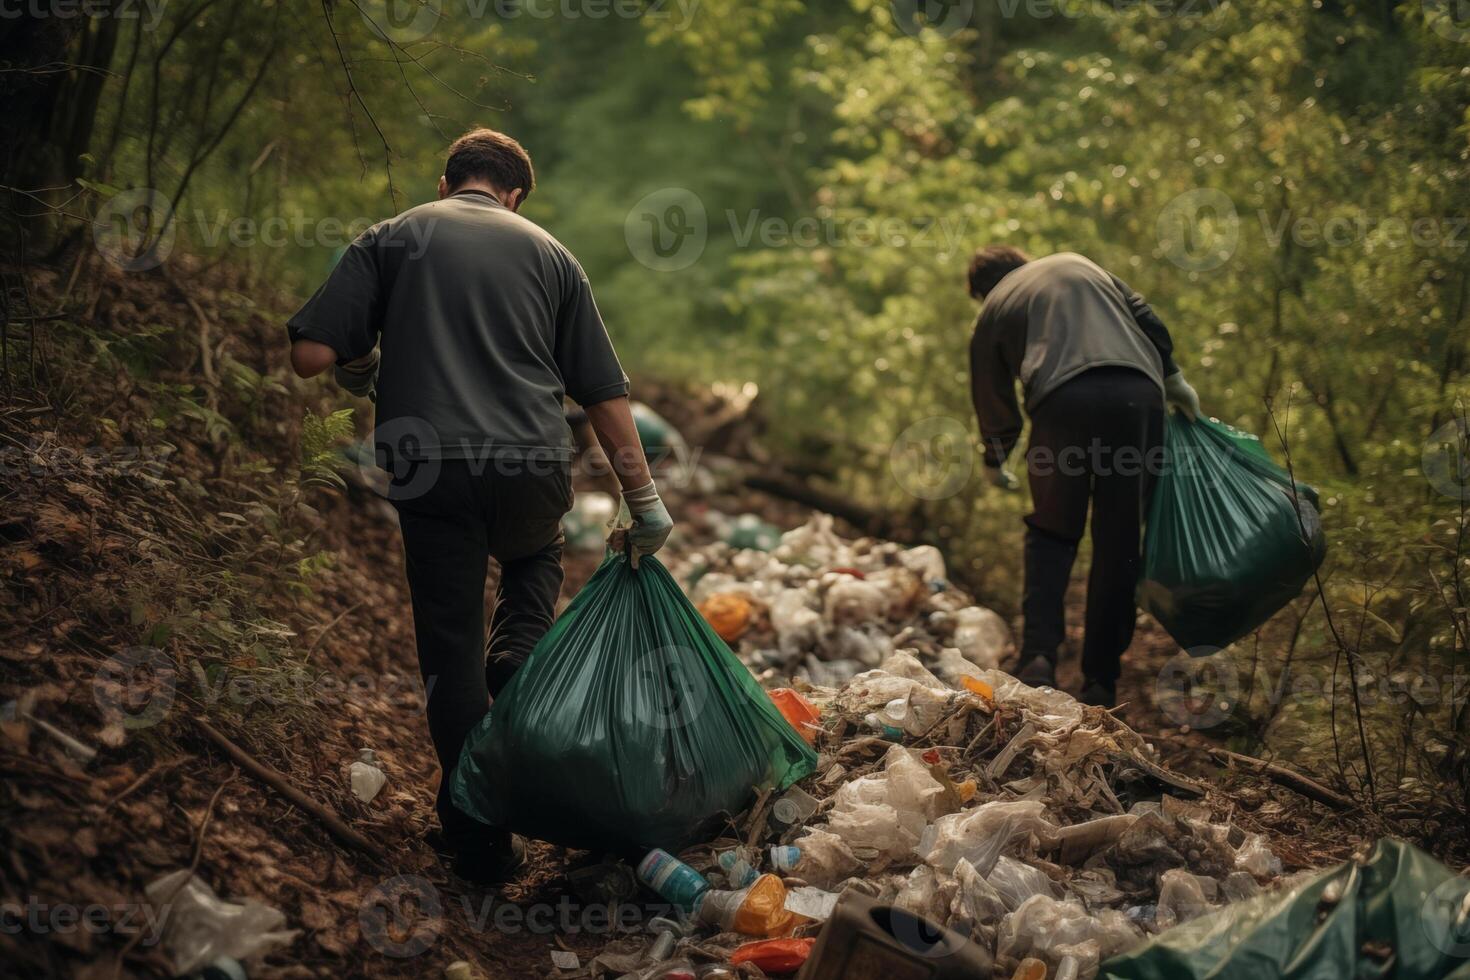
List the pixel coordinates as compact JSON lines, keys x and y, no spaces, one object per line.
{"x":211,"y":557}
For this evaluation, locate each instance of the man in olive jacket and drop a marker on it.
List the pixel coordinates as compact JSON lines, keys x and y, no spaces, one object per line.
{"x":1096,"y":366}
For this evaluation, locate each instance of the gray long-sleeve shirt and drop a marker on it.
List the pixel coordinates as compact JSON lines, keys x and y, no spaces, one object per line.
{"x":485,"y":321}
{"x":1047,"y":322}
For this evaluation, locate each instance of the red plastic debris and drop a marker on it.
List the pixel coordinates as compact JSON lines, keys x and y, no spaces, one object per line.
{"x":775,"y":955}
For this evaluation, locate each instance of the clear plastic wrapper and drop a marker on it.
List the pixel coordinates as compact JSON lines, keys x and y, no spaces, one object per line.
{"x":1184,"y":896}
{"x":975,"y":834}
{"x":1064,"y":935}
{"x":1017,"y":882}
{"x":201,"y":927}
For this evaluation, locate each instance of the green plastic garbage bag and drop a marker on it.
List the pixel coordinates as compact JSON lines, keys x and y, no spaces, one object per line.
{"x":1224,"y":547}
{"x":630,"y":726}
{"x":1399,"y":914}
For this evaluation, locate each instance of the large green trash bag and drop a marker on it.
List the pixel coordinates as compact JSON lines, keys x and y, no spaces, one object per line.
{"x":1399,"y":914}
{"x":1224,"y":547}
{"x":630,"y":726}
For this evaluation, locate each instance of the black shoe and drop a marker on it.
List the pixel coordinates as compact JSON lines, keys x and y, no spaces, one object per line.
{"x":490,"y":865}
{"x":1102,"y":694}
{"x":1039,"y":671}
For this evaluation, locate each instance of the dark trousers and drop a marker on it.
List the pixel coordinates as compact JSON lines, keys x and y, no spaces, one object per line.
{"x":1099,"y":439}
{"x":453,"y":521}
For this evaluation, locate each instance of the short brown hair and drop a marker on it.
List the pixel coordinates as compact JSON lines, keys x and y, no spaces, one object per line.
{"x":991,"y":264}
{"x":485,"y":154}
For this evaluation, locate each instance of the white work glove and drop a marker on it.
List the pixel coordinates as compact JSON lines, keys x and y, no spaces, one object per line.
{"x":359,"y":377}
{"x":1002,"y":477}
{"x":1181,"y":394}
{"x":651,"y":521}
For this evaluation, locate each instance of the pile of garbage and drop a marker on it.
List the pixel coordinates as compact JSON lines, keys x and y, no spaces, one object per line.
{"x":810,"y":605}
{"x":1041,"y":832}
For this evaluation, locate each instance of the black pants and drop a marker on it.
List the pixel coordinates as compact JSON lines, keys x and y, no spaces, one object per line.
{"x":1098,"y":438}
{"x":453,"y":521}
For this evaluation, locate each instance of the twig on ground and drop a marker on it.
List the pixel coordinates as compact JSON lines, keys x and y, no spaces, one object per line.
{"x":1280,"y":775}
{"x":278,"y":782}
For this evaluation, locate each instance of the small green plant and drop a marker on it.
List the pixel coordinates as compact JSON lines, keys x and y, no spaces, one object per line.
{"x":321,"y":439}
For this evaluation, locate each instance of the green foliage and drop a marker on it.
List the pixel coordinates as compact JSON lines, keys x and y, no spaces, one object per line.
{"x":322,"y":439}
{"x":1287,"y":183}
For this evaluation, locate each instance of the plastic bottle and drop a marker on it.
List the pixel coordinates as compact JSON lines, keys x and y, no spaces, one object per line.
{"x":739,"y":866}
{"x":1030,"y":969}
{"x":784,"y":857}
{"x":365,"y":776}
{"x":759,"y":910}
{"x":673,"y":879}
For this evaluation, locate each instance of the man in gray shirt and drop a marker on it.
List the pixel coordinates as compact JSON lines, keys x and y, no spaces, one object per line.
{"x":1095,"y":365}
{"x":484,"y":322}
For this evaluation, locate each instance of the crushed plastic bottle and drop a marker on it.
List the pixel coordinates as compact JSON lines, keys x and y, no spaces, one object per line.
{"x":365,"y":776}
{"x":785,"y":857}
{"x":739,"y":866}
{"x":758,"y":910}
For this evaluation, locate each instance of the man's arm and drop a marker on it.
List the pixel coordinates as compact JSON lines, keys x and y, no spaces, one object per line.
{"x":1178,"y":391}
{"x":993,"y":392}
{"x":341,"y":322}
{"x":311,"y":357}
{"x":1148,"y":321}
{"x":612,"y":420}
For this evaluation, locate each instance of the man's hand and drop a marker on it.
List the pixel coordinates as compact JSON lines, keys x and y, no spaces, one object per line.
{"x":360,"y":377}
{"x":1001,"y":476}
{"x":651,"y":521}
{"x":1181,"y":394}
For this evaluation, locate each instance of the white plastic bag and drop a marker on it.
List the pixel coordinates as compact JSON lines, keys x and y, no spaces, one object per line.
{"x":200,"y":927}
{"x":1064,"y":935}
{"x":825,"y":859}
{"x":1017,"y":882}
{"x":797,"y":625}
{"x":982,"y":636}
{"x":1184,"y":896}
{"x":970,"y":834}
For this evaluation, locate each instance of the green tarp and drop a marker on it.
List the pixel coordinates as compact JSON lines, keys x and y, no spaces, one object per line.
{"x":1400,"y":914}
